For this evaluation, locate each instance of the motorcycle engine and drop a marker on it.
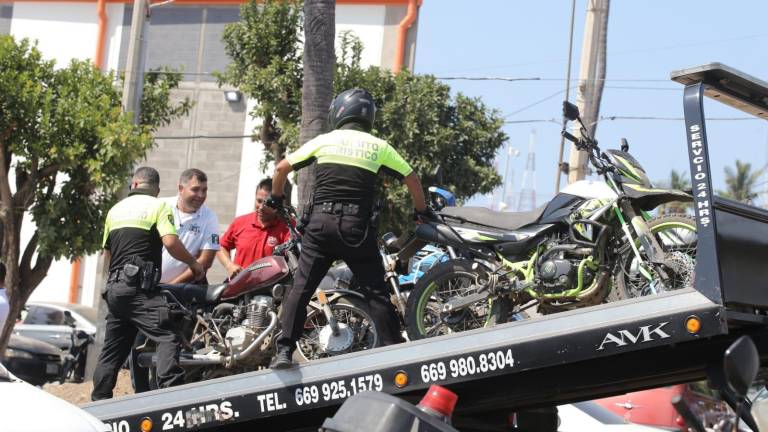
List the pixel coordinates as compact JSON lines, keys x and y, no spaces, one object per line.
{"x":256,"y":320}
{"x":557,"y":274}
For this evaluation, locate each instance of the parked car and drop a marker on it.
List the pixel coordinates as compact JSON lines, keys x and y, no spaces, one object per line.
{"x":54,"y":322}
{"x":32,"y":360}
{"x":23,"y":405}
{"x":654,"y":407}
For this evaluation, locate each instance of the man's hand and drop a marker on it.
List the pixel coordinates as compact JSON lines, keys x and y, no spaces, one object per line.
{"x":274,"y":202}
{"x":197,"y":270}
{"x":233,"y":270}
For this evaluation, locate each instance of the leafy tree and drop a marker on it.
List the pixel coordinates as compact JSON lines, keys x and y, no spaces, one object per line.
{"x":416,"y":113}
{"x":740,"y":184}
{"x":265,"y":49}
{"x":679,"y":181}
{"x":69,"y":148}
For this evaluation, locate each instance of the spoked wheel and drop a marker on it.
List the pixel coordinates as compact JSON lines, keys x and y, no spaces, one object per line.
{"x":357,"y":331}
{"x":450,"y":280}
{"x":677,"y":236}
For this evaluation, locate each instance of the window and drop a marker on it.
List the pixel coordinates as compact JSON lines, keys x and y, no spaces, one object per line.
{"x":45,"y":316}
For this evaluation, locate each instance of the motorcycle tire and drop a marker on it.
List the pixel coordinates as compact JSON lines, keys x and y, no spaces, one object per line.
{"x":676,"y":234}
{"x":423,"y":318}
{"x":350,"y":311}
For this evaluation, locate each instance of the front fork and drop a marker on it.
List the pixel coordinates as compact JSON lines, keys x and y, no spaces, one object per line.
{"x":326,"y":308}
{"x":651,"y":246}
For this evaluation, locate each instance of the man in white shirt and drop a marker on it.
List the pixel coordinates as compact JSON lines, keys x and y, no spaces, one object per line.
{"x":4,"y":307}
{"x":196,"y":225}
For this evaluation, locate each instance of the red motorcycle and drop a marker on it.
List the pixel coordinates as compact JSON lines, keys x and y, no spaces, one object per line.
{"x":231,"y":328}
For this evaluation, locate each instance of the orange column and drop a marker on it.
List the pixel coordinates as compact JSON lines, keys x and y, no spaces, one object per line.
{"x":402,"y":34}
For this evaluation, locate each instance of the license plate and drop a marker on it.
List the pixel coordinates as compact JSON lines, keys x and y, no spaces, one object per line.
{"x":52,"y":368}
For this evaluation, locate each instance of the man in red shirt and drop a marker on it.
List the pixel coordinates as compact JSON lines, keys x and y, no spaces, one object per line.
{"x":254,"y":235}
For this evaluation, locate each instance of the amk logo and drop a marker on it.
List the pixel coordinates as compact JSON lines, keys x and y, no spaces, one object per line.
{"x":643,"y":334}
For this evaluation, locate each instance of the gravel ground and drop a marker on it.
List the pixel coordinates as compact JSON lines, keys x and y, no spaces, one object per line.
{"x":79,"y":394}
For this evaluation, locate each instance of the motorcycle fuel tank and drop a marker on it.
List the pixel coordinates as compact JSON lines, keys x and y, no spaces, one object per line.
{"x":260,"y":275}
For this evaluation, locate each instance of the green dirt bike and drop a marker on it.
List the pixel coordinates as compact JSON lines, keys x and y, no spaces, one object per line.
{"x":594,"y":242}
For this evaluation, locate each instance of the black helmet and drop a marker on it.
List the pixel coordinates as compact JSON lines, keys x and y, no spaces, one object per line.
{"x":354,"y":105}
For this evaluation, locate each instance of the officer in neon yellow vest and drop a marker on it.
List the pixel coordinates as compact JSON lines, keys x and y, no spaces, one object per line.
{"x":135,"y":232}
{"x":341,"y":225}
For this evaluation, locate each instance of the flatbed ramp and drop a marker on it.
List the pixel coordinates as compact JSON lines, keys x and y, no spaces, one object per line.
{"x":487,"y":368}
{"x":582,"y":354}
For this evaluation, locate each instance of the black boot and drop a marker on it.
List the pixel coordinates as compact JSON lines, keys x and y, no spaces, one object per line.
{"x":282,"y":359}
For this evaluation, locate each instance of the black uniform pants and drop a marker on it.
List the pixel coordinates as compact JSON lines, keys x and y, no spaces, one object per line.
{"x":131,"y":311}
{"x":327,"y":238}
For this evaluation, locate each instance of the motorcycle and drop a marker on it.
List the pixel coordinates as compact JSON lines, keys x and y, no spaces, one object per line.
{"x":231,"y":328}
{"x":594,"y":242}
{"x":73,"y":364}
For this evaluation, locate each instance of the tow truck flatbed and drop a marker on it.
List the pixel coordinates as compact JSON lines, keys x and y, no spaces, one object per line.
{"x":576,"y":355}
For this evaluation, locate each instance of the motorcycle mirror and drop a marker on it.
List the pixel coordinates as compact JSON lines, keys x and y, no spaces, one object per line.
{"x":69,"y":319}
{"x":570,"y":111}
{"x":740,"y":363}
{"x":624,"y":145}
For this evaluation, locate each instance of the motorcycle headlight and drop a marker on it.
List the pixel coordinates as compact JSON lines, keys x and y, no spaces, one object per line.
{"x":10,"y":352}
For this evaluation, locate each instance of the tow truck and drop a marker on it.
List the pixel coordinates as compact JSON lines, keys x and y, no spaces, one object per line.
{"x":588,"y":353}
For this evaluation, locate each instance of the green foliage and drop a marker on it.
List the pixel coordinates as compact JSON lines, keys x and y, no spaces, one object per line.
{"x":416,"y":113}
{"x":265,"y":49}
{"x":740,"y":184}
{"x":71,"y":145}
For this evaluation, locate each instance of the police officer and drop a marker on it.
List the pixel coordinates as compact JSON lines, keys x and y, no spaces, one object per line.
{"x":135,"y":232}
{"x":341,"y":225}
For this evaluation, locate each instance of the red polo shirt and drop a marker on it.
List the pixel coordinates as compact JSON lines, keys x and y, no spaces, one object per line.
{"x":251,"y":240}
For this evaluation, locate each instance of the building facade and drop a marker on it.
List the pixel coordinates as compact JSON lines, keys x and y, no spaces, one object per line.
{"x":215,"y":136}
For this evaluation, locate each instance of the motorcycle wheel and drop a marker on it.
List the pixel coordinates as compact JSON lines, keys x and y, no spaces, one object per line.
{"x":355,"y":321}
{"x":449,"y":279}
{"x":677,"y":236}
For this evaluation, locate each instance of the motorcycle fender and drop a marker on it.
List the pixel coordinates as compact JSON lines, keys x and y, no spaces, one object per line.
{"x":334,"y":294}
{"x":650,"y":198}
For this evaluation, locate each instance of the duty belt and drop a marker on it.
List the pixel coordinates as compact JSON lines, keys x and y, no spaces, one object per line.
{"x":338,"y":208}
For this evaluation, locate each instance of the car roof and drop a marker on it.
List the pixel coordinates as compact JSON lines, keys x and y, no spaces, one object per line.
{"x":86,"y":312}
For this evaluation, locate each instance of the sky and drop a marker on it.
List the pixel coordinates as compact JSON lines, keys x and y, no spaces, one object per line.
{"x":646,"y":41}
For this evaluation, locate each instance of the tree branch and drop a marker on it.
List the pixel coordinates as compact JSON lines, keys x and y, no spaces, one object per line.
{"x":25,"y":265}
{"x":6,"y":199}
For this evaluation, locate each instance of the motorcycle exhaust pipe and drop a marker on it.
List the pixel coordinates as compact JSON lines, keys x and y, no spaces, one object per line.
{"x":150,"y":359}
{"x":234,"y":358}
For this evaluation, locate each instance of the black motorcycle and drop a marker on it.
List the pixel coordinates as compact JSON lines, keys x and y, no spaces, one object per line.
{"x":593,"y":242}
{"x":73,"y":364}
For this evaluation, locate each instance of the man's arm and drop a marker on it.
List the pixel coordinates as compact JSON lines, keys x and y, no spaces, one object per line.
{"x":280,"y":176}
{"x":177,"y":250}
{"x":417,"y":193}
{"x":226,"y":260}
{"x":205,"y":259}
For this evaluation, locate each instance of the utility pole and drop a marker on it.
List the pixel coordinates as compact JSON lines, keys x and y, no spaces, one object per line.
{"x":131,"y":104}
{"x":134,"y":65}
{"x":591,"y":80}
{"x":560,"y":168}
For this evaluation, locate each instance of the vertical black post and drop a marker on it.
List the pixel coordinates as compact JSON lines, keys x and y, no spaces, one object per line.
{"x":708,"y":280}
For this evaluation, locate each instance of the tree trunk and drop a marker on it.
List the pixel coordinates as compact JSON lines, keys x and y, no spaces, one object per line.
{"x":317,"y":89}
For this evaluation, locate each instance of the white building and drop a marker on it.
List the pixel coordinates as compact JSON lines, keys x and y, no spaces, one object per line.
{"x":187,"y":34}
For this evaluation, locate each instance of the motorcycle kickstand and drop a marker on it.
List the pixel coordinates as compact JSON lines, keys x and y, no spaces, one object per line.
{"x":332,"y":323}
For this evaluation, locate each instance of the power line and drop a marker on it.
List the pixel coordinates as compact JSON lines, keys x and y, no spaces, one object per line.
{"x":613,"y":118}
{"x":202,"y":137}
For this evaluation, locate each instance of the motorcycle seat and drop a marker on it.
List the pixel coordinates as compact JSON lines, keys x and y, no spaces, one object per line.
{"x":495,"y":219}
{"x":195,"y":294}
